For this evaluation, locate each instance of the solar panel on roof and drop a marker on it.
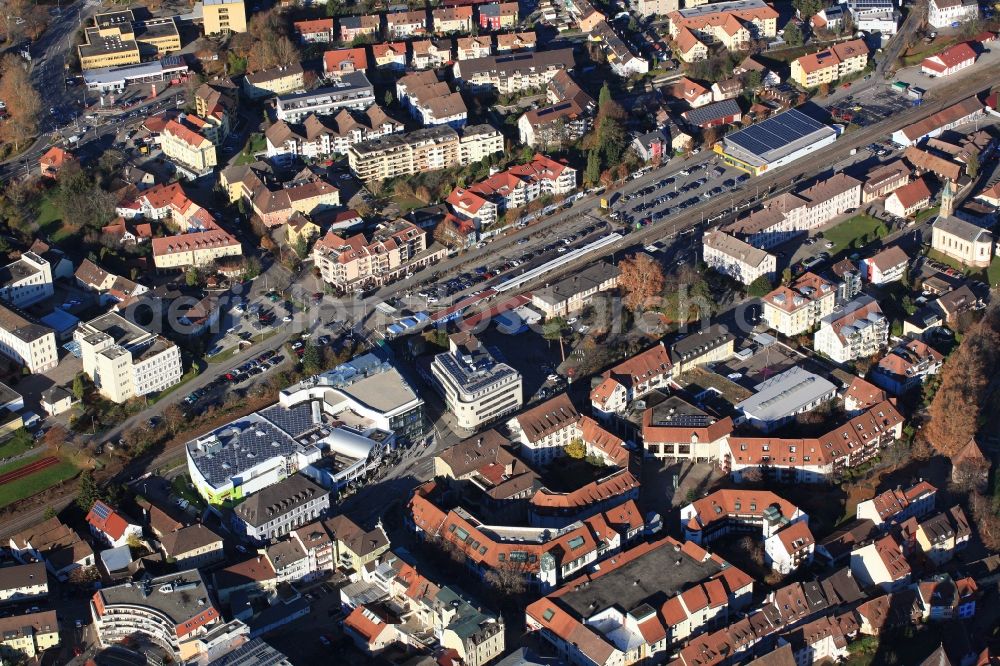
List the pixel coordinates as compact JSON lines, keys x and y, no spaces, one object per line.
{"x":776,"y":132}
{"x":102,"y":511}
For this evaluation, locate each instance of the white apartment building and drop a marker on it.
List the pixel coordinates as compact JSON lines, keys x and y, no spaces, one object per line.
{"x":422,"y":150}
{"x":349,"y":90}
{"x":26,"y":281}
{"x":514,"y":72}
{"x":654,"y":7}
{"x":322,"y":136}
{"x":544,"y":430}
{"x":945,"y":13}
{"x":786,"y":216}
{"x":736,"y":258}
{"x":857,"y":330}
{"x":280,"y":508}
{"x":27,"y":342}
{"x":125,"y":360}
{"x":23,"y":582}
{"x":881,"y":564}
{"x":796,"y":308}
{"x":477,"y":389}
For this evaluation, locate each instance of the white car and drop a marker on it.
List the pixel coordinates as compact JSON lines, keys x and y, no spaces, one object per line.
{"x":286,"y":318}
{"x":572,"y":320}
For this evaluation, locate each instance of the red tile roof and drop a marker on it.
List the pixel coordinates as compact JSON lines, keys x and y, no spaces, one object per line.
{"x":102,"y":517}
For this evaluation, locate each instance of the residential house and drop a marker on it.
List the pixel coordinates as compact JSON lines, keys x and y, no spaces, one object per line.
{"x":340,"y":61}
{"x":689,"y":47}
{"x":353,"y":546}
{"x":884,"y":180}
{"x":289,"y":560}
{"x":940,"y":536}
{"x":62,"y":549}
{"x":888,"y":265}
{"x":23,"y":583}
{"x":275,"y":81}
{"x":406,"y":24}
{"x":455,"y":19}
{"x":390,"y":55}
{"x":692,"y":92}
{"x":790,"y":548}
{"x":881,"y":564}
{"x":279,"y":508}
{"x":824,"y":67}
{"x":53,"y":161}
{"x":907,"y":367}
{"x":909,"y":199}
{"x":193,"y":547}
{"x":322,"y":136}
{"x":513,"y":42}
{"x":498,"y":15}
{"x":315,"y":31}
{"x":630,"y":380}
{"x":110,"y":526}
{"x":27,"y":636}
{"x":354,"y":27}
{"x":426,"y":53}
{"x":193,"y":150}
{"x":477,"y":46}
{"x":897,"y":505}
{"x":711,"y":344}
{"x":422,"y":150}
{"x":946,"y":13}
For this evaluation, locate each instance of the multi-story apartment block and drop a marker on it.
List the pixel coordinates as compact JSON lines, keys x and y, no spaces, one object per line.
{"x":829,"y":65}
{"x":406,"y":24}
{"x":796,"y":308}
{"x":26,"y":281}
{"x":906,"y":367}
{"x":452,"y":19}
{"x":857,"y":330}
{"x":193,"y":547}
{"x":895,"y":506}
{"x":26,"y":341}
{"x":350,"y":90}
{"x":223,"y":17}
{"x":575,"y":292}
{"x":318,"y":545}
{"x":512,"y":73}
{"x":27,"y":636}
{"x":586,"y":621}
{"x":289,"y":560}
{"x":651,"y":8}
{"x":117,"y":39}
{"x":623,"y":59}
{"x":737,"y":259}
{"x":59,"y":547}
{"x":191,"y":149}
{"x":477,"y":389}
{"x":790,"y":548}
{"x":733,"y":24}
{"x":430,"y":100}
{"x":422,"y":150}
{"x":125,"y":360}
{"x":280,"y":508}
{"x":726,"y":512}
{"x":322,"y":136}
{"x":215,"y":106}
{"x":426,"y":53}
{"x":23,"y":583}
{"x":884,"y":180}
{"x":545,"y":429}
{"x":711,"y":344}
{"x":353,"y":27}
{"x":512,"y":188}
{"x":940,"y":536}
{"x":788,"y":215}
{"x":567,"y":118}
{"x":357,"y":262}
{"x":498,"y":15}
{"x":169,"y":611}
{"x":881,"y":564}
{"x":315,"y":31}
{"x":275,"y":81}
{"x":946,"y":13}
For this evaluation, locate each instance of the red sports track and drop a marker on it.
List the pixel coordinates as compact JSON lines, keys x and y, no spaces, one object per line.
{"x":28,"y":470}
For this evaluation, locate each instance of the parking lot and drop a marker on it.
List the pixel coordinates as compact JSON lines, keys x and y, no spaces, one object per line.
{"x":871,"y":105}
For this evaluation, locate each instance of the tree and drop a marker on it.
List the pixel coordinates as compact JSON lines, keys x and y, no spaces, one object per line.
{"x":24,"y":105}
{"x":786,"y":276}
{"x":552,"y":328}
{"x":792,"y":34}
{"x":49,"y":513}
{"x":593,"y":173}
{"x":752,"y":80}
{"x":759,"y":287}
{"x":972,"y":166}
{"x":80,"y":197}
{"x":78,"y":386}
{"x":389,"y":98}
{"x":251,"y":268}
{"x":507,"y":578}
{"x":191,"y":276}
{"x":56,"y":436}
{"x":823,"y":90}
{"x":641,"y":281}
{"x":576,"y":449}
{"x":312,"y":360}
{"x":807,"y":8}
{"x":88,"y":492}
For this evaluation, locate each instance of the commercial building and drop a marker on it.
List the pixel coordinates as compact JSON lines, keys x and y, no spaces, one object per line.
{"x":857,"y":330}
{"x":192,"y":149}
{"x":512,"y":73}
{"x":350,"y":90}
{"x":222,"y":17}
{"x":796,"y":308}
{"x":26,"y":281}
{"x":332,"y":426}
{"x":358,"y":262}
{"x":27,"y":342}
{"x":422,"y":150}
{"x":675,"y":429}
{"x":171,"y":611}
{"x":648,"y":599}
{"x":737,"y":259}
{"x":779,"y":399}
{"x":951,"y":13}
{"x":275,"y":81}
{"x":23,"y":583}
{"x":953,"y":59}
{"x":732,"y":24}
{"x":575,"y":292}
{"x":27,"y":636}
{"x":322,"y":136}
{"x":280,"y":508}
{"x":125,"y":360}
{"x":791,"y":214}
{"x":774,"y":142}
{"x":827,"y":66}
{"x":951,"y":117}
{"x":477,"y":388}
{"x":117,"y":39}
{"x":115,"y":79}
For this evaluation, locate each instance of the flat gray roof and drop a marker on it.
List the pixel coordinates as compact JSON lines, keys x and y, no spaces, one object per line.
{"x":784,"y":394}
{"x":180,"y":596}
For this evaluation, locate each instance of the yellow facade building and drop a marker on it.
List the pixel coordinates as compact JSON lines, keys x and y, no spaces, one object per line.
{"x":220,"y":17}
{"x":193,"y":150}
{"x":25,"y":636}
{"x":117,"y":39}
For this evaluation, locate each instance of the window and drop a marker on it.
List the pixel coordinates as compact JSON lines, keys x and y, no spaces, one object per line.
{"x":548,"y":614}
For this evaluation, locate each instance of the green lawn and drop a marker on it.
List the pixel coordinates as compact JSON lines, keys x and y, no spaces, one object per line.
{"x":180,"y":486}
{"x":927,"y":213}
{"x":993,"y":272}
{"x":16,"y":445}
{"x":256,"y":144}
{"x":406,"y":204}
{"x":185,"y":378}
{"x":36,"y":483}
{"x":844,"y":234}
{"x":50,"y":220}
{"x":224,"y":355}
